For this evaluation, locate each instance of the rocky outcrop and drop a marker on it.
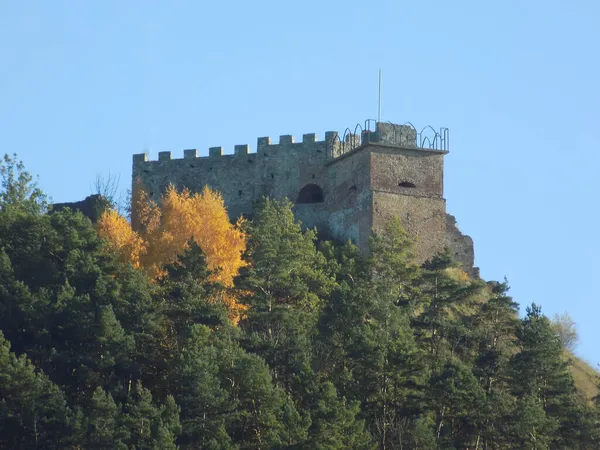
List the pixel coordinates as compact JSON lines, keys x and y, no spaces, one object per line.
{"x":461,"y":247}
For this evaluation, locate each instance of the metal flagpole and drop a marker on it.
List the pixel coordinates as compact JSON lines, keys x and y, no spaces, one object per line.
{"x":379,"y":102}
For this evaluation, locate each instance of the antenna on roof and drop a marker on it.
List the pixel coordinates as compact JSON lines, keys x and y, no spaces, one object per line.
{"x":379,"y":102}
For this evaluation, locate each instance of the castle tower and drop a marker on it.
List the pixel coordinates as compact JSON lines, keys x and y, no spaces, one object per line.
{"x":407,"y":180}
{"x":345,"y":186}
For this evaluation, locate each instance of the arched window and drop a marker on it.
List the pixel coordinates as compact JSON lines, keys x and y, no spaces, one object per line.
{"x":311,"y":193}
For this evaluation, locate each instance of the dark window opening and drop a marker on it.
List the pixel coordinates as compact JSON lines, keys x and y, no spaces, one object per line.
{"x":311,"y":193}
{"x":313,"y":175}
{"x":272,"y":176}
{"x":240,"y":193}
{"x":265,"y":154}
{"x":407,"y":184}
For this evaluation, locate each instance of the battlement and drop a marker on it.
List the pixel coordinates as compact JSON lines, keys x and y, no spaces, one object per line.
{"x":263,"y":145}
{"x":334,"y":145}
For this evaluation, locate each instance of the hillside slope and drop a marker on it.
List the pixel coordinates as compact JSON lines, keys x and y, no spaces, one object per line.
{"x":586,"y":377}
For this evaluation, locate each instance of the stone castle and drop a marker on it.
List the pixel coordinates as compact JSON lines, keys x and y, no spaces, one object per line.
{"x":345,"y":186}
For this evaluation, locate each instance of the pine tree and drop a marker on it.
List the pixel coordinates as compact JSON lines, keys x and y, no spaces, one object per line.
{"x":103,"y":430}
{"x":368,"y":348}
{"x":445,"y":304}
{"x":335,"y":424}
{"x":148,"y":425}
{"x":458,"y":401}
{"x":495,"y":324}
{"x":543,"y":384}
{"x":285,"y":283}
{"x":33,"y":410}
{"x":196,"y":383}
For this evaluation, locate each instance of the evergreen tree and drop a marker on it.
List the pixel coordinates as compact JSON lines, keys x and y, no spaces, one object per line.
{"x":543,"y":384}
{"x":103,"y":430}
{"x":495,"y":325}
{"x":335,"y":424}
{"x":136,"y":424}
{"x":286,"y":283}
{"x":149,"y":426}
{"x":458,"y":401}
{"x":33,"y":410}
{"x":196,"y":383}
{"x":368,"y":348}
{"x":442,"y":325}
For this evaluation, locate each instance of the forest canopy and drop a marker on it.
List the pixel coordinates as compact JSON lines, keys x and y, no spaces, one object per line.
{"x":187,"y":331}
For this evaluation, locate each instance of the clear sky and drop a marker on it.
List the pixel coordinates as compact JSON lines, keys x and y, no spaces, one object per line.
{"x":85,"y":84}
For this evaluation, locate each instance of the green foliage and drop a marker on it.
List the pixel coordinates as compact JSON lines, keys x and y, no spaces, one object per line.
{"x":18,"y":191}
{"x":542,"y":378}
{"x":137,"y":424}
{"x":336,"y":351}
{"x":33,"y":410}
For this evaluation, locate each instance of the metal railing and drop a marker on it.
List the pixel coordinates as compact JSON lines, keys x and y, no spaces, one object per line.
{"x":405,"y":135}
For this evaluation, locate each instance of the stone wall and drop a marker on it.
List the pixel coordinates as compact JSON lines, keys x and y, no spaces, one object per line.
{"x":424,"y":219}
{"x":362,"y":184}
{"x":408,"y":172}
{"x":275,"y":170}
{"x":350,"y":198}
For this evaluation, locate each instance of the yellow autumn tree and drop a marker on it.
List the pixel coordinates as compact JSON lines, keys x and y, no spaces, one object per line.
{"x":165,"y":229}
{"x":121,"y":238}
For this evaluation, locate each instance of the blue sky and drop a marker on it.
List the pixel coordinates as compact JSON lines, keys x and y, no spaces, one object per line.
{"x":84,"y":85}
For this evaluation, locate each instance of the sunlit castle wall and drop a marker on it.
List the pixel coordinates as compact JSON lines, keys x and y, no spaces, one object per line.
{"x":346,"y":186}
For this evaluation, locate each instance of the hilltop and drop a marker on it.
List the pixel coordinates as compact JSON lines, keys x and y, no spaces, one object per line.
{"x":190,"y":331}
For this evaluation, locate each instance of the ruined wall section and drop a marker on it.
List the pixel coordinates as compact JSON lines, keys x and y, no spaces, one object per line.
{"x":92,"y":206}
{"x":461,"y":247}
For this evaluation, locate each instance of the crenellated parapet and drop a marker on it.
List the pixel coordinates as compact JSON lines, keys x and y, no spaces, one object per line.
{"x":264,"y":145}
{"x":333,"y":146}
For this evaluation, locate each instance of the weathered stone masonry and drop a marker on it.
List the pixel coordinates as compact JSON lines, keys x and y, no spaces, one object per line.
{"x":346,"y":191}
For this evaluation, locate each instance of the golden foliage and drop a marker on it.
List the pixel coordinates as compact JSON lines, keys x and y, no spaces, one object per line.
{"x":166,"y":229}
{"x":203,"y":219}
{"x":236,"y":310}
{"x":121,"y":238}
{"x":145,"y":213}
